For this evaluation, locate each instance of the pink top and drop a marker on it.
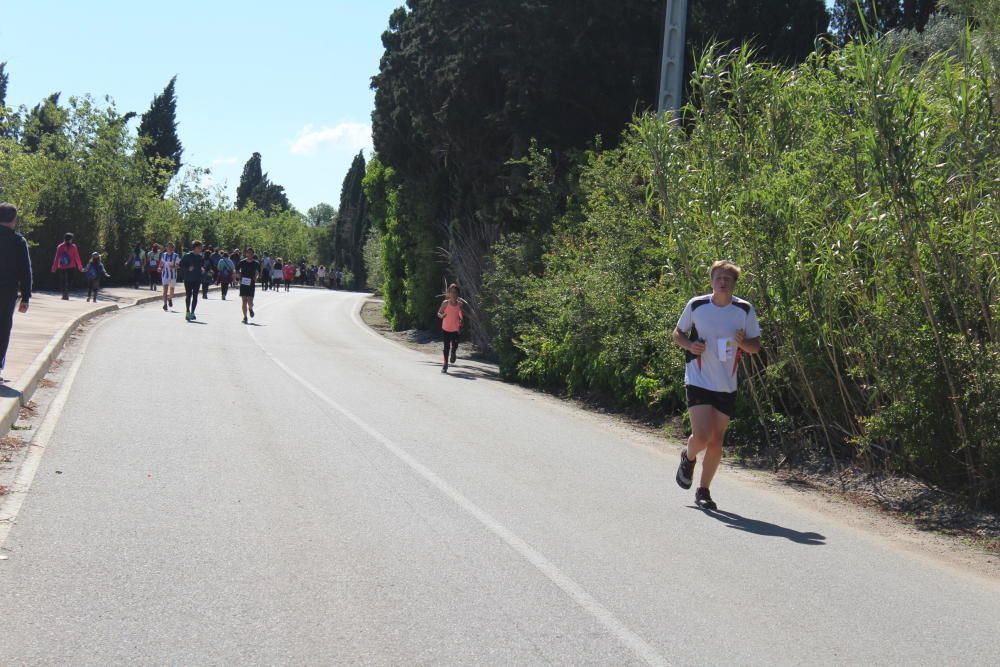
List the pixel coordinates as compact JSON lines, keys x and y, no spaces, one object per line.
{"x":453,"y":317}
{"x":74,"y":257}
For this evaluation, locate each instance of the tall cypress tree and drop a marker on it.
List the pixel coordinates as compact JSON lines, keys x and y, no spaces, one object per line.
{"x":249,"y":181}
{"x":256,"y":187}
{"x":4,"y":79}
{"x":159,"y":128}
{"x":45,"y":119}
{"x":350,"y":229}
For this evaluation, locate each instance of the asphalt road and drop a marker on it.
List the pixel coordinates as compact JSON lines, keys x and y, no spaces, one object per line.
{"x":306,"y":492}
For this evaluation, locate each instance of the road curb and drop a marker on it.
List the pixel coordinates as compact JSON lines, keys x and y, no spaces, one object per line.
{"x":25,"y":386}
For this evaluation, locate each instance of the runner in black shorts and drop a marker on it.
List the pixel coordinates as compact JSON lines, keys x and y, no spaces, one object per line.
{"x":715,"y":330}
{"x":248,"y":271}
{"x":190,"y":270}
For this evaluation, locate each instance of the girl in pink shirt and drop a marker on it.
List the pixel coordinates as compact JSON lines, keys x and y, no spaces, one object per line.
{"x":452,"y":316}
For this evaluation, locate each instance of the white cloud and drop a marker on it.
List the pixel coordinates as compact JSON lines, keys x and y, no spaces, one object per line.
{"x":345,"y":136}
{"x":220,"y":161}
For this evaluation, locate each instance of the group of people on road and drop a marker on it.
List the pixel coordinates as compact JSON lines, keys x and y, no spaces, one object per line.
{"x":715,"y":330}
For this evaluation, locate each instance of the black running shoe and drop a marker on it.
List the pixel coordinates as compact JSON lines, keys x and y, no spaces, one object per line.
{"x":244,"y":319}
{"x":685,"y":471}
{"x":164,"y":307}
{"x":444,"y":369}
{"x":251,"y":312}
{"x":453,"y":354}
{"x":170,"y":302}
{"x":703,"y":499}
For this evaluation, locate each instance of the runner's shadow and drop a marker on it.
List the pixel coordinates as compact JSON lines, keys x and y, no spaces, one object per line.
{"x":197,"y":322}
{"x":758,"y":527}
{"x":8,"y":392}
{"x":254,"y":324}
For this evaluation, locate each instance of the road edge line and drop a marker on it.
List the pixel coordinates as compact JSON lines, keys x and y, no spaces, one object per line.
{"x":583,"y":599}
{"x":10,"y":506}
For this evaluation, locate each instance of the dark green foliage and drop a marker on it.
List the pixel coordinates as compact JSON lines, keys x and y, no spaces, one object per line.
{"x":256,"y":188}
{"x":464,"y":88}
{"x":158,"y":136}
{"x":43,"y":124}
{"x":4,"y":80}
{"x":782,"y":31}
{"x":858,"y":191}
{"x":879,"y":16}
{"x":343,"y":241}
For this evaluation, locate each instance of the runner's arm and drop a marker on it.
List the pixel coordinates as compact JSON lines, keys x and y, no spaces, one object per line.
{"x":682,"y":341}
{"x":748,"y":345}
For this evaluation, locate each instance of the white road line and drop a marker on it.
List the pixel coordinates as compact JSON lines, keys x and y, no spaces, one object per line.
{"x":623,"y":633}
{"x":13,"y":501}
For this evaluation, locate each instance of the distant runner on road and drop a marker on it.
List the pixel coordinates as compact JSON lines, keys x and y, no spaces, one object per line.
{"x":169,"y":263}
{"x":452,"y":316}
{"x":249,"y":271}
{"x":714,"y":330}
{"x":190,"y":269}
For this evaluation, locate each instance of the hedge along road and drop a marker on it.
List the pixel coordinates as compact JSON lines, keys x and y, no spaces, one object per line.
{"x":304,"y":491}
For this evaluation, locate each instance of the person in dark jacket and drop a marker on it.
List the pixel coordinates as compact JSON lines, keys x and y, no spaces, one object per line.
{"x":15,"y":276}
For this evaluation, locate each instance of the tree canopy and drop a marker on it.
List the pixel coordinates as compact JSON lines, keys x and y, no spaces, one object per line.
{"x":158,"y":133}
{"x":256,"y":188}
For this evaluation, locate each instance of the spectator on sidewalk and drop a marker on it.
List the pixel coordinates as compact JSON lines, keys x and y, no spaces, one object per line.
{"x":277,"y":274}
{"x":289,"y":272}
{"x":321,"y":275}
{"x":136,"y":261}
{"x":95,"y":271}
{"x":15,"y":276}
{"x":66,"y":262}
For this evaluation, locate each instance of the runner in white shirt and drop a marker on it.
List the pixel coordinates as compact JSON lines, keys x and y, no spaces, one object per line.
{"x":168,"y":274}
{"x":715,"y":330}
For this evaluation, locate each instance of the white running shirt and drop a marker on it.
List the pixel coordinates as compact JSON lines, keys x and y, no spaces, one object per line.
{"x":168,"y":267}
{"x":716,"y":368}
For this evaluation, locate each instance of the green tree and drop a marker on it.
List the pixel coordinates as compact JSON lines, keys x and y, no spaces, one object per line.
{"x":350,"y":229}
{"x":158,"y":134}
{"x":43,"y":124}
{"x":321,"y":214}
{"x":880,"y":16}
{"x":256,"y":188}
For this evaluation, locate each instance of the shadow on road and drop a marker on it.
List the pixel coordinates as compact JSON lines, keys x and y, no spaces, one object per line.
{"x":758,"y":527}
{"x":467,"y":372}
{"x":8,"y":392}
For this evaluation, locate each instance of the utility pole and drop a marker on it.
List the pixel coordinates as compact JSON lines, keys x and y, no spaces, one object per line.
{"x":672,"y":63}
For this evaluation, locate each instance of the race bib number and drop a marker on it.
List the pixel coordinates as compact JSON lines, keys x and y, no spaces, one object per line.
{"x":152,"y":265}
{"x":246,"y":281}
{"x":137,"y":263}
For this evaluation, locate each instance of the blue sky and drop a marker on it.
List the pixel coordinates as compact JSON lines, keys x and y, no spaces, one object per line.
{"x":288,"y":79}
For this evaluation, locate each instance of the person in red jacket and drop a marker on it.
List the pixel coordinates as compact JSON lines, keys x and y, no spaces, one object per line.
{"x":66,"y":261}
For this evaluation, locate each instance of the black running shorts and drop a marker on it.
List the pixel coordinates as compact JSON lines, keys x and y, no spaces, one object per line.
{"x":247,"y":290}
{"x":722,"y":401}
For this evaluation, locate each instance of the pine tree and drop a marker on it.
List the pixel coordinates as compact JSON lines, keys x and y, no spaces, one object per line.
{"x":159,"y":129}
{"x":249,"y":181}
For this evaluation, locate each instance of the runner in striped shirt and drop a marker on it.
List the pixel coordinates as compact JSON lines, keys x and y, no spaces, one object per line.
{"x":168,"y":274}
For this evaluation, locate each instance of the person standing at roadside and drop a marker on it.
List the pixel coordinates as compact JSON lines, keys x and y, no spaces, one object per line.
{"x":248,"y":271}
{"x":169,"y":263}
{"x":15,"y":276}
{"x":277,"y":274}
{"x":66,"y":262}
{"x":153,"y":265}
{"x":191,"y":266}
{"x":288,"y":271}
{"x":714,"y":330}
